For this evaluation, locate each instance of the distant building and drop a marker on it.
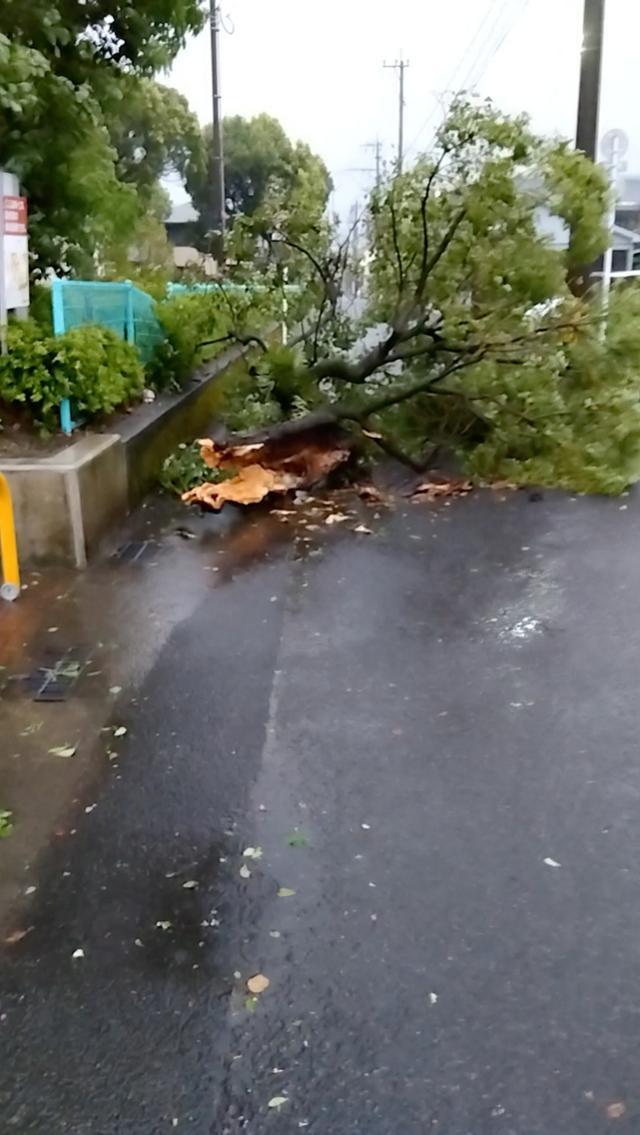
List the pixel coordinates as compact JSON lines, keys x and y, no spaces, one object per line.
{"x":181,"y":224}
{"x":626,"y":241}
{"x":628,"y":205}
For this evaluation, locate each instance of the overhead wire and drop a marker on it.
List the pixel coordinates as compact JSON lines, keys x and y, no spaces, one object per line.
{"x":473,"y":77}
{"x":471,"y":45}
{"x":470,"y":79}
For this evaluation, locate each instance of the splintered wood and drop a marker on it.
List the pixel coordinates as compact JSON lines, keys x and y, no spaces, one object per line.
{"x":260,"y":468}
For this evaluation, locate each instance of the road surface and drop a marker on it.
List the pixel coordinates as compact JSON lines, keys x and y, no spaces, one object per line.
{"x":430,"y":738}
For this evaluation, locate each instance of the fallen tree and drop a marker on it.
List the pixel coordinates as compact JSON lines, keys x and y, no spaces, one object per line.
{"x":470,"y":336}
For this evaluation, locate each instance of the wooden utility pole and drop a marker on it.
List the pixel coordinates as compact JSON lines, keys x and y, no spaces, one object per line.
{"x":218,"y":196}
{"x":400,"y":66}
{"x":587,"y":129}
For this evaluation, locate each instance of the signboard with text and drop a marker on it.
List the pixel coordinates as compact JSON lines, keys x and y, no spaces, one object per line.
{"x":14,"y":216}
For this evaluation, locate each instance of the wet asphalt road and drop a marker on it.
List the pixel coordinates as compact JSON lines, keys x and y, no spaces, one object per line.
{"x":428,"y":714}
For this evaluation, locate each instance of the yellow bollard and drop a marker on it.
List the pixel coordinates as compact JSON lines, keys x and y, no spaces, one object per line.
{"x":10,"y":588}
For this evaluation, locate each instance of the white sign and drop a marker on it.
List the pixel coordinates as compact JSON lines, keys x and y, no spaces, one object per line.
{"x":15,"y":251}
{"x":16,"y":271}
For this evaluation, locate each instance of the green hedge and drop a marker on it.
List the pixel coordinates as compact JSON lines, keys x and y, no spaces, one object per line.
{"x":191,"y":321}
{"x":99,"y":371}
{"x":89,"y":364}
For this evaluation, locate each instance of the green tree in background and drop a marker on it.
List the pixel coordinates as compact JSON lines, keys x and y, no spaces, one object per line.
{"x":73,"y":122}
{"x":261,"y":164}
{"x":152,"y":130}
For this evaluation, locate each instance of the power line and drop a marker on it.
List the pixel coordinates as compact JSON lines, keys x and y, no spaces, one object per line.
{"x":507,"y":32}
{"x":472,"y":80}
{"x":469,"y":78}
{"x":486,"y":39}
{"x":460,"y":64}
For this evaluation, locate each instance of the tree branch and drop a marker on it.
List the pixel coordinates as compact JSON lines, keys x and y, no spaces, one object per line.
{"x":445,"y":242}
{"x":422,"y":278}
{"x":236,"y":337}
{"x":396,"y":245}
{"x":388,"y":446}
{"x":394,"y":397}
{"x":310,"y":257}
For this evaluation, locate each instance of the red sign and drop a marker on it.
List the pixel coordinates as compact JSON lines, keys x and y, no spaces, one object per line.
{"x":14,"y":216}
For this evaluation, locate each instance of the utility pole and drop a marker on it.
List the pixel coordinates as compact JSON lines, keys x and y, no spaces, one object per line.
{"x":377,"y":149}
{"x":590,"y":78}
{"x":400,"y":66}
{"x":218,"y":195}
{"x":587,"y":128}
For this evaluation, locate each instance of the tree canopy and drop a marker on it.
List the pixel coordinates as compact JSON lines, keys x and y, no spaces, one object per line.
{"x":76,"y":116}
{"x":470,"y":337}
{"x":260,"y":163}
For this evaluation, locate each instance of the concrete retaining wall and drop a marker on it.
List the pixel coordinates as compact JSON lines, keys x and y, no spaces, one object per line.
{"x":64,"y":504}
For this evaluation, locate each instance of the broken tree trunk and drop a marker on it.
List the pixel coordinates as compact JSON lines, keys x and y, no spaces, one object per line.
{"x":283,"y":460}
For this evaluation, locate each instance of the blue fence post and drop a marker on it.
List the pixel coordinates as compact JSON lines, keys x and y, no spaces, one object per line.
{"x":57,"y":307}
{"x":131,"y":323}
{"x":57,"y":318}
{"x":66,"y":421}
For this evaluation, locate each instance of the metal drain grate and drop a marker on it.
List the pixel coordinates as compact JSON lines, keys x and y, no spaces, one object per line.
{"x":135,"y":551}
{"x":54,"y":680}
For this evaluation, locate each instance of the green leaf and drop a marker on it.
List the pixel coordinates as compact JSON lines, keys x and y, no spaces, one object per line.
{"x":297,"y":839}
{"x":6,"y":826}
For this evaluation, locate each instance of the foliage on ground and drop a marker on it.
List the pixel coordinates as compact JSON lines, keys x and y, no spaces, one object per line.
{"x":184,"y":469}
{"x":266,"y":389}
{"x":6,"y":824}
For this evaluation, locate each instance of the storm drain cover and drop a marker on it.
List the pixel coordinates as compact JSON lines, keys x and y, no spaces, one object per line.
{"x":54,"y":679}
{"x":135,"y":551}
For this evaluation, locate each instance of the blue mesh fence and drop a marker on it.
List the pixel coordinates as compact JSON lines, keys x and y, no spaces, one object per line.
{"x":124,"y":308}
{"x":127,"y":310}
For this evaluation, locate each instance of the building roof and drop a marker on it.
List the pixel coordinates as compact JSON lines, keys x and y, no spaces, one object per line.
{"x":624,"y":237}
{"x":183,"y":214}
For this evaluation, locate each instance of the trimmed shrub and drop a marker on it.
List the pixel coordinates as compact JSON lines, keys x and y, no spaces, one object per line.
{"x":89,"y":364}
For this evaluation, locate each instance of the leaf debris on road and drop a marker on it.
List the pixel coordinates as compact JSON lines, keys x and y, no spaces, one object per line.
{"x":63,"y":750}
{"x":258,"y":983}
{"x":278,"y":1101}
{"x":297,"y":839}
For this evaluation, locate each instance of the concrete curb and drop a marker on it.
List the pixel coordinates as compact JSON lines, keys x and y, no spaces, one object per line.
{"x":65,"y":503}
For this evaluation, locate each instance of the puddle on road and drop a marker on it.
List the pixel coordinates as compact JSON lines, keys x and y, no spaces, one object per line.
{"x":118,"y":615}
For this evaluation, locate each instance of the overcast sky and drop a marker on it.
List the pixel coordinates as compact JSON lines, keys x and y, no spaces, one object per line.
{"x":318,"y":68}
